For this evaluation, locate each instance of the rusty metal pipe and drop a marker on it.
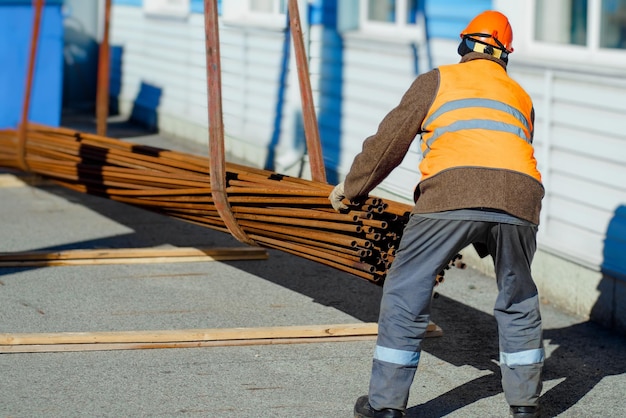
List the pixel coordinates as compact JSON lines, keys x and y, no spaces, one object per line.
{"x":217,"y":168}
{"x":282,"y":212}
{"x":102,"y":92}
{"x":297,"y":213}
{"x":339,"y":266}
{"x":22,"y":128}
{"x":311,"y":130}
{"x":322,"y":225}
{"x":350,"y":251}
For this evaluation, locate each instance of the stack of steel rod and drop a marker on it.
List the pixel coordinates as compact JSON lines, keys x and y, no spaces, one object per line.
{"x":276,"y":211}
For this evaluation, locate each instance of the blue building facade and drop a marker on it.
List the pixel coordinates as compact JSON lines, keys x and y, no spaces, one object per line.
{"x":16,"y":27}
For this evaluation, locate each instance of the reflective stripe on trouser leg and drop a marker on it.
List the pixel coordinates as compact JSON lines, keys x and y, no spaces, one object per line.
{"x":518,"y":314}
{"x":427,"y":246}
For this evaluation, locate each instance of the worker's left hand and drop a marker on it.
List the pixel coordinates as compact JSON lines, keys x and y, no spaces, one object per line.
{"x":336,"y":198}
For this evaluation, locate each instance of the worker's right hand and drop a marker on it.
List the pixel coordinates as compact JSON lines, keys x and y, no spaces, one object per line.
{"x":336,"y":198}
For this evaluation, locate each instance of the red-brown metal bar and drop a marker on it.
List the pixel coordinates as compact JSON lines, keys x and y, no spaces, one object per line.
{"x":21,"y":135}
{"x":216,"y":124}
{"x":102,"y":93}
{"x":292,"y":217}
{"x":311,"y":130}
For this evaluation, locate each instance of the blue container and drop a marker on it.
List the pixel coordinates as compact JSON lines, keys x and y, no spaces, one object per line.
{"x":16,"y":23}
{"x":614,"y":264}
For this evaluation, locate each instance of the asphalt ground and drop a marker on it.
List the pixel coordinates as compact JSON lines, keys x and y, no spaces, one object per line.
{"x":458,"y":376}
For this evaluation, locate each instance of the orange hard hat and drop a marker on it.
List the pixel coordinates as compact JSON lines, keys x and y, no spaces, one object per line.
{"x":492,"y":28}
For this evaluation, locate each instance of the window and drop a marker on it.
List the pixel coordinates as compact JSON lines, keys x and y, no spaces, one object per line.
{"x":561,"y":21}
{"x":167,"y":8}
{"x":590,"y":23}
{"x":392,"y":11}
{"x":268,"y":6}
{"x":613,"y":24}
{"x":264,"y":13}
{"x":392,"y":16}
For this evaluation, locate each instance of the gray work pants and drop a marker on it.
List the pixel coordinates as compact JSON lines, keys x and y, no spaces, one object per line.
{"x":427,"y":246}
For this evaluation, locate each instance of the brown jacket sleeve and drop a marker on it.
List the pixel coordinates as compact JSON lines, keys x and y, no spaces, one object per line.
{"x":385,"y":150}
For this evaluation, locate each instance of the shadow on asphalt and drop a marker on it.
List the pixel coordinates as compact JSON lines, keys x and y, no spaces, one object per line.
{"x":586,"y":352}
{"x":116,"y":127}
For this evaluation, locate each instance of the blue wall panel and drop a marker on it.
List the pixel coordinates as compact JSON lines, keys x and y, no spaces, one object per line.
{"x":28,"y":2}
{"x":447,"y":18}
{"x":137,"y":3}
{"x":324,"y":13}
{"x":16,"y":21}
{"x":196,"y":6}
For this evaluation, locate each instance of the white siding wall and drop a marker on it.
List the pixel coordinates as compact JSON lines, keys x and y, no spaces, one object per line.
{"x":580,"y":135}
{"x":152,"y":53}
{"x":170,"y":54}
{"x":580,"y":142}
{"x":251,"y":71}
{"x":376,"y":75}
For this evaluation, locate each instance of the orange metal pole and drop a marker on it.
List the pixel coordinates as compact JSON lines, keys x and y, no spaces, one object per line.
{"x":102,"y":94}
{"x":311,"y":130}
{"x":21,"y":134}
{"x":217,"y":168}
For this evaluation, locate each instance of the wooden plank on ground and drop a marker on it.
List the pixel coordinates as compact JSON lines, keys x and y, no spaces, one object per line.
{"x":182,"y":335}
{"x":12,"y":180}
{"x":9,"y":180}
{"x":129,"y":256}
{"x":136,"y":340}
{"x":34,"y":348}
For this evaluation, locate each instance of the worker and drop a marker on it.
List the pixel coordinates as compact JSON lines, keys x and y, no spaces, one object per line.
{"x":479,"y":186}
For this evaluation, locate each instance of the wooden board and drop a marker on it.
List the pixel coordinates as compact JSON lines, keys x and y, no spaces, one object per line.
{"x":12,"y":180}
{"x":34,"y":348}
{"x":9,"y":180}
{"x":134,"y":340}
{"x":129,"y":256}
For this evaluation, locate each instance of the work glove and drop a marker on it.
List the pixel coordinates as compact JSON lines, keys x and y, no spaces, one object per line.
{"x":336,"y":197}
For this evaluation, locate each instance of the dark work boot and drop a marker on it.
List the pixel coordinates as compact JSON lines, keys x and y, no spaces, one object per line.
{"x":363,"y":409}
{"x":525,"y":411}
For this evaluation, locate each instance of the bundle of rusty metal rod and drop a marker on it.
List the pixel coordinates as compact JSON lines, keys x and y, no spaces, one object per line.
{"x":276,"y":211}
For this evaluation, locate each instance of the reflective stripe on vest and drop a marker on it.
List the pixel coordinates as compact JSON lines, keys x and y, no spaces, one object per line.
{"x":488,"y":124}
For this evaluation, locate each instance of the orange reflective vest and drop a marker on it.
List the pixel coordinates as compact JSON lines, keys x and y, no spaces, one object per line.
{"x":480,"y":117}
